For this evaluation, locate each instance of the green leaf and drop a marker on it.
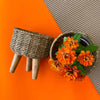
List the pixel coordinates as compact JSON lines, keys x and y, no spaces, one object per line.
{"x":91,"y":48}
{"x":81,"y":47}
{"x":75,"y":62}
{"x":64,"y":39}
{"x":56,"y":53}
{"x":77,"y":36}
{"x":61,"y":46}
{"x":79,"y":67}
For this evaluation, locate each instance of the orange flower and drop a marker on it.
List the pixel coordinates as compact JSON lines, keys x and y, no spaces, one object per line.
{"x":72,"y":73}
{"x":63,"y":70}
{"x":55,"y":64}
{"x":85,"y":58}
{"x":66,"y":56}
{"x":70,"y":43}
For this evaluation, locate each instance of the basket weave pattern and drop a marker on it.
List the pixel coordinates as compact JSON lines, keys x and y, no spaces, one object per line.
{"x":30,"y":44}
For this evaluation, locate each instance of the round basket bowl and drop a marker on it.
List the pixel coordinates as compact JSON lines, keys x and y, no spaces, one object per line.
{"x":84,"y":40}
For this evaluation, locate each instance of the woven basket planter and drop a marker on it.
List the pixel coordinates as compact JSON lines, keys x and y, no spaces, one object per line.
{"x":85,"y":40}
{"x":33,"y":45}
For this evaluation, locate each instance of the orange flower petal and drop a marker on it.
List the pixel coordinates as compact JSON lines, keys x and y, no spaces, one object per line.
{"x":85,"y":59}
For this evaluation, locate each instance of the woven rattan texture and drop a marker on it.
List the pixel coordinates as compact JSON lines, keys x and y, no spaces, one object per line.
{"x":30,"y":44}
{"x":79,"y":16}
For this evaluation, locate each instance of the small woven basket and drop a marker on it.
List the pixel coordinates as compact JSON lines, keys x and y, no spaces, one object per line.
{"x":33,"y":45}
{"x":85,"y":40}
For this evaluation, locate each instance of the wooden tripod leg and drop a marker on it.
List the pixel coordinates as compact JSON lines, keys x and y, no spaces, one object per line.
{"x":35,"y":68}
{"x":28,"y":64}
{"x":15,"y":62}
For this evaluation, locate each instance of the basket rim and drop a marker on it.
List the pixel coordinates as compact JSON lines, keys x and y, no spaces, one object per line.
{"x":32,"y":33}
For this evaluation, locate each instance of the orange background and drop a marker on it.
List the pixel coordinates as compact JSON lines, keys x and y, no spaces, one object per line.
{"x":34,"y":15}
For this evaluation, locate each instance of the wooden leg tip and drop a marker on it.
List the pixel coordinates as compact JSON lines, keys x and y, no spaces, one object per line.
{"x":34,"y":78}
{"x":11,"y":71}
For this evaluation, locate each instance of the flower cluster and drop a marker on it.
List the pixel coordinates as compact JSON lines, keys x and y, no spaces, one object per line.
{"x":70,"y":43}
{"x":71,"y":58}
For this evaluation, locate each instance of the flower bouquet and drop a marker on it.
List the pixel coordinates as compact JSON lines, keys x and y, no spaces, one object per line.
{"x":73,"y":55}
